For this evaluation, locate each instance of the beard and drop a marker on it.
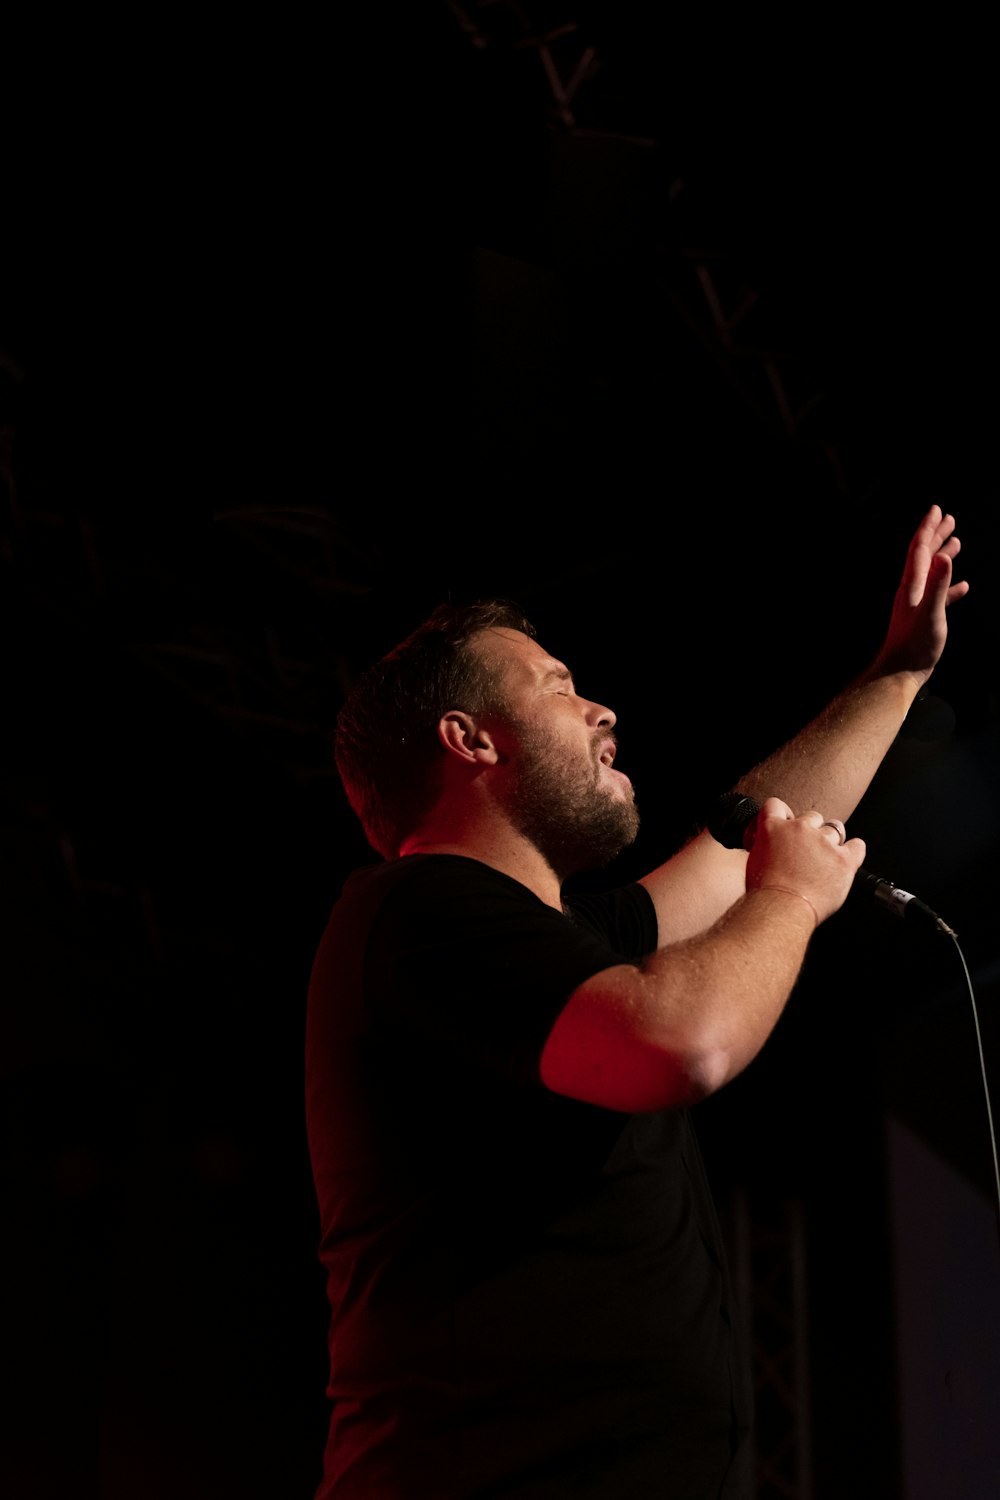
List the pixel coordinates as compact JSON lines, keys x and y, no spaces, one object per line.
{"x":574,"y":821}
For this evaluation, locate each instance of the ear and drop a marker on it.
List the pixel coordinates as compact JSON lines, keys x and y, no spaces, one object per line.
{"x":466,"y":737}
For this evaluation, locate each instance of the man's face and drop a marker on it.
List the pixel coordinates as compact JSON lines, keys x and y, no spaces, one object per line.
{"x":560,"y":788}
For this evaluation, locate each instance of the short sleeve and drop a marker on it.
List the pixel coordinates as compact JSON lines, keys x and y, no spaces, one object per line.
{"x":466,"y":958}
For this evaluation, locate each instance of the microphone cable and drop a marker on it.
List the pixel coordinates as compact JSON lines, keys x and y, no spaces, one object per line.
{"x":731,"y":815}
{"x":985,"y":1077}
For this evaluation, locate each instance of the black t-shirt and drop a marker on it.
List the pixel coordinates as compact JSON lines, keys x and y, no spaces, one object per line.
{"x":528,"y":1293}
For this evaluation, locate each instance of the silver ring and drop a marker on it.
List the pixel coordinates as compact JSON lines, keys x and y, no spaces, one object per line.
{"x":835,"y":823}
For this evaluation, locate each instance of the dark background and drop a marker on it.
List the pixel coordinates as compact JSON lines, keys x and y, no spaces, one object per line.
{"x":303,"y":329}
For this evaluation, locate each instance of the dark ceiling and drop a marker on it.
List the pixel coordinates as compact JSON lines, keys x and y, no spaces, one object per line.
{"x":671,"y":331}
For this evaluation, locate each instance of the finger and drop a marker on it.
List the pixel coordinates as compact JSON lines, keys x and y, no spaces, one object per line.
{"x":933,"y":520}
{"x":916,"y":573}
{"x":857,"y":848}
{"x":950,"y":550}
{"x":929,"y":537}
{"x":944,"y":528}
{"x":934,"y":538}
{"x":938,"y":580}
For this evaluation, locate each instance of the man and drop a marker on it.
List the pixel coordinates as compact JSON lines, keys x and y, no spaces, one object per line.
{"x":529,"y":1295}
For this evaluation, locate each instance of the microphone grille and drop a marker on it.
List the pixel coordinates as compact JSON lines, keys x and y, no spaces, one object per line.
{"x":729,"y":818}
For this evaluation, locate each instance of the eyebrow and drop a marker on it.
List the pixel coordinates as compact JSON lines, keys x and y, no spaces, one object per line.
{"x":560,"y":673}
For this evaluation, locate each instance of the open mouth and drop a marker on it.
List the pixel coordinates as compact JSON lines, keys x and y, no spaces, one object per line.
{"x":607,"y":758}
{"x":607,"y":751}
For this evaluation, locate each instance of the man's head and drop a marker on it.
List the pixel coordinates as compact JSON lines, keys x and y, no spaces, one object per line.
{"x":386,"y":747}
{"x":474,"y":681}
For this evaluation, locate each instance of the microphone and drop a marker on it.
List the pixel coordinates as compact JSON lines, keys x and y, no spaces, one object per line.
{"x":734,"y":811}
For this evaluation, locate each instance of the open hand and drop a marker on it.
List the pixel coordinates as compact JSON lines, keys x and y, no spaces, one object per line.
{"x":918,"y":627}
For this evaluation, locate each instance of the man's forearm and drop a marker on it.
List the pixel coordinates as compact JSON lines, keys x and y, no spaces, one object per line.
{"x":830,"y":763}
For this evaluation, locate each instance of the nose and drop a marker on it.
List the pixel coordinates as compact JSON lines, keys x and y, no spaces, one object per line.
{"x":600,"y":717}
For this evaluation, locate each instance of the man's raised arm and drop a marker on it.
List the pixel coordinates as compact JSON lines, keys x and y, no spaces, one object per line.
{"x":829,"y":765}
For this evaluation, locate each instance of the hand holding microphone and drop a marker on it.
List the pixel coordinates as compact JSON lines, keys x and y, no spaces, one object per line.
{"x":735,"y":823}
{"x":801,"y":856}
